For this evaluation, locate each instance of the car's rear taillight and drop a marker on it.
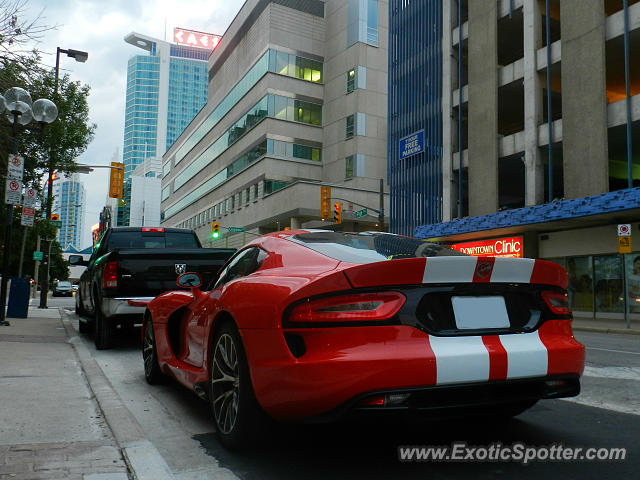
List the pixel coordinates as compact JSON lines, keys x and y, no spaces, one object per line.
{"x":110,"y":275}
{"x":348,"y":308}
{"x":557,"y":302}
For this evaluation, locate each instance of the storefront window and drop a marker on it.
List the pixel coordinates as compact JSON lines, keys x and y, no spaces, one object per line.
{"x":609,"y":286}
{"x":580,"y":289}
{"x":632,"y":269}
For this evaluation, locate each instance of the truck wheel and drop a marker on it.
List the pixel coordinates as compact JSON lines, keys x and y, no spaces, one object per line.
{"x":103,"y":334}
{"x":84,"y":326}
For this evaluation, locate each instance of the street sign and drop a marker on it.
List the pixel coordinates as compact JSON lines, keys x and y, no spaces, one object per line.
{"x":411,"y":145}
{"x":235,"y":229}
{"x":624,"y":244}
{"x":38,"y":255}
{"x":27,"y":217}
{"x":29,"y":197}
{"x":56,"y":223}
{"x":624,"y":230}
{"x":13,"y":192}
{"x":15,"y":167}
{"x":360,"y":213}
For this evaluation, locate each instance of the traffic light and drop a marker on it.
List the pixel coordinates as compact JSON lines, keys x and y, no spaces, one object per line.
{"x":215,"y":229}
{"x":55,"y":217}
{"x":116,"y":180}
{"x":325,"y":202}
{"x":337,"y":212}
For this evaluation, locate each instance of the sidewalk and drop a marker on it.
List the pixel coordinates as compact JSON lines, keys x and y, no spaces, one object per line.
{"x":605,"y":326}
{"x":50,"y":424}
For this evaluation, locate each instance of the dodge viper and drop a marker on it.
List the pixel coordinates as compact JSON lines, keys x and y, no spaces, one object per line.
{"x":312,"y":325}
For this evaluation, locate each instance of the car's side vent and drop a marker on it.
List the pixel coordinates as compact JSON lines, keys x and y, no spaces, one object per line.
{"x":296,"y":344}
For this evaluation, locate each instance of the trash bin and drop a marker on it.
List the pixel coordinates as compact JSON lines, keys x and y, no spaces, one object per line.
{"x":18,"y":298}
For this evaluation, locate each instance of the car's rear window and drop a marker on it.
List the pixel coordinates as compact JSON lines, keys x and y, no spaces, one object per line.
{"x":64,"y":284}
{"x":370,"y":247}
{"x":141,"y":239}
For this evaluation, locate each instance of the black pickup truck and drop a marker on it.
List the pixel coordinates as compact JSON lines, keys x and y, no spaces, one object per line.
{"x":132,"y":265}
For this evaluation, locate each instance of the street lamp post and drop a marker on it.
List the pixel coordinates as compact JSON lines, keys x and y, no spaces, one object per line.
{"x":81,"y":57}
{"x":20,"y":110}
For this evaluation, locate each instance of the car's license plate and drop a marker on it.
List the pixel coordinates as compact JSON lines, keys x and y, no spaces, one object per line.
{"x":480,"y":312}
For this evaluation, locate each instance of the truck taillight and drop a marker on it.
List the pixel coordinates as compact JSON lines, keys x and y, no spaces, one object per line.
{"x":153,"y":229}
{"x":110,"y":275}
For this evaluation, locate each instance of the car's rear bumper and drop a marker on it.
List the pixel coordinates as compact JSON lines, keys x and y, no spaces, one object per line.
{"x":124,"y":305}
{"x":341,"y":365}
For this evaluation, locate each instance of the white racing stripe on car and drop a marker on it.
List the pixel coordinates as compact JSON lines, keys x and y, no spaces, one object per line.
{"x":512,"y":270}
{"x":449,"y":269}
{"x":460,"y":359}
{"x":526,"y":355}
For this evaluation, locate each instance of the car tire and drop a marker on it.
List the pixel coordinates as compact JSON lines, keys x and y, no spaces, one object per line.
{"x":103,"y":330}
{"x":85,"y":326}
{"x":80,"y":311}
{"x":152,"y":373}
{"x":238,"y":417}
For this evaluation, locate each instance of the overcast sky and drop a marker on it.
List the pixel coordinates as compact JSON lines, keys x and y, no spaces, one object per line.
{"x":99,"y":27}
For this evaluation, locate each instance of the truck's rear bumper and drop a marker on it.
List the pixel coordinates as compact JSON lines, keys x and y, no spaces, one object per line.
{"x":124,"y":305}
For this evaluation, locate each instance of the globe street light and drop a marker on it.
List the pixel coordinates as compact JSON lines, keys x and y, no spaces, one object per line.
{"x":20,"y":111}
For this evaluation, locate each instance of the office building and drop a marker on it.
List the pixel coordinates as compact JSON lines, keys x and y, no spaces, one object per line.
{"x":510,"y":130}
{"x":296,"y":100}
{"x":165,"y":89}
{"x":70,"y":203}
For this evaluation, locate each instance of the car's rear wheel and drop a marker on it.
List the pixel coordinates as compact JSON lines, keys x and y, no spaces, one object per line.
{"x":103,"y":333}
{"x":237,"y":414}
{"x":152,"y":372}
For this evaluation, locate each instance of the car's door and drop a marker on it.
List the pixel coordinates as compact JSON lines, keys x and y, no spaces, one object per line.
{"x":202,"y":310}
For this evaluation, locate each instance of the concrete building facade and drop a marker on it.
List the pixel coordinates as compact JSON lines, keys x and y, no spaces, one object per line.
{"x":296,"y":100}
{"x":540,"y":129}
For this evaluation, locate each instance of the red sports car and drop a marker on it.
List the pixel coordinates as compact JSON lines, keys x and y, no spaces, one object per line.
{"x":312,"y":325}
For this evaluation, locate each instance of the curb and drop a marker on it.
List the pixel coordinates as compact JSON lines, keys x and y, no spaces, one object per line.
{"x":618,"y":331}
{"x":142,"y":457}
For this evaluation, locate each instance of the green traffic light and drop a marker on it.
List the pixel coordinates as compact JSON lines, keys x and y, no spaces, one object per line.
{"x":214,"y":234}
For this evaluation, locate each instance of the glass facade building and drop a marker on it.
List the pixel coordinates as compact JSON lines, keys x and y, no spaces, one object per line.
{"x":165,"y":89}
{"x":69,"y":203}
{"x":415,"y":104}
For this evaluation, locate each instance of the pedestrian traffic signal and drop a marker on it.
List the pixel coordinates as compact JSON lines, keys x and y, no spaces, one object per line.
{"x":215,"y":229}
{"x":337,"y":212}
{"x":325,"y":202}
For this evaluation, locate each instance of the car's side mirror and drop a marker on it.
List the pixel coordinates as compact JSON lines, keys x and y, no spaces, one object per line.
{"x":77,"y":260}
{"x":189,"y":280}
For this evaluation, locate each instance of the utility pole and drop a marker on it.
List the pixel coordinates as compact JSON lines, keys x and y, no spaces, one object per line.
{"x":381,"y":210}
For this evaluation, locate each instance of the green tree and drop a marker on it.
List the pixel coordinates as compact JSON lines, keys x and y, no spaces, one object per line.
{"x":53,"y":146}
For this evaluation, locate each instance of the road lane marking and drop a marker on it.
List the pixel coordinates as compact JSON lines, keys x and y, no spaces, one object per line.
{"x":616,"y":351}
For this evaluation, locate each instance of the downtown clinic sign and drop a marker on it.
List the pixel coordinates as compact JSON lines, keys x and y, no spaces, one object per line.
{"x":510,"y":247}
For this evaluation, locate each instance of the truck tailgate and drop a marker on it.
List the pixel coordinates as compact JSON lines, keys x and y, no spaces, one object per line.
{"x":150,"y":272}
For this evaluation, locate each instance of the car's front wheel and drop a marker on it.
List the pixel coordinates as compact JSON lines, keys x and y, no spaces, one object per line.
{"x":152,"y":372}
{"x":237,"y":414}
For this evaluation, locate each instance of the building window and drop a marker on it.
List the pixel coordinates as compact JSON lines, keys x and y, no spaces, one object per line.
{"x":255,"y":191}
{"x":362,"y":22}
{"x":247,"y":195}
{"x":351,"y":80}
{"x":348,"y":167}
{"x":350,"y":126}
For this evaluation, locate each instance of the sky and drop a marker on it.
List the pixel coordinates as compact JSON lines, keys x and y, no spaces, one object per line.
{"x":99,"y":27}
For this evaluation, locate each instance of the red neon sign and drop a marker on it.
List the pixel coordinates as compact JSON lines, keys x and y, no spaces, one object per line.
{"x":192,"y":38}
{"x":499,"y":247}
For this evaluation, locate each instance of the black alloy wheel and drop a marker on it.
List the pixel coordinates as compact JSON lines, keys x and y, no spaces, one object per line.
{"x":152,"y":372}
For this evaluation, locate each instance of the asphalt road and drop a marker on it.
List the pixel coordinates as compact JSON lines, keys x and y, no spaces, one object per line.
{"x":606,"y":414}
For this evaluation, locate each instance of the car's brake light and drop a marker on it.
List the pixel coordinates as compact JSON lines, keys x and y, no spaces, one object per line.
{"x":152,"y":229}
{"x":354,"y":307}
{"x":110,"y":275}
{"x":557,"y":302}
